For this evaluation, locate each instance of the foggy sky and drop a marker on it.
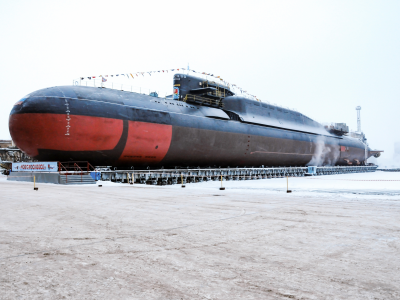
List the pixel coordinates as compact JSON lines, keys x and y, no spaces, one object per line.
{"x":321,"y":57}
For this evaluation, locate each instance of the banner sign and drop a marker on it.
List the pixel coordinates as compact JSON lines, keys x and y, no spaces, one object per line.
{"x":35,"y":167}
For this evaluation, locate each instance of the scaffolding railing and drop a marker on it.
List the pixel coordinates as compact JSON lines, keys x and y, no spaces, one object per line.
{"x":203,"y":101}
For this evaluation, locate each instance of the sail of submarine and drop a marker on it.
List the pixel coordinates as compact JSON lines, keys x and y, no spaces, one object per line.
{"x":203,"y":124}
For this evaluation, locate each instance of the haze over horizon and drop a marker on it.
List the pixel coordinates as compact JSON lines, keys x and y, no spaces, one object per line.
{"x":322,"y":58}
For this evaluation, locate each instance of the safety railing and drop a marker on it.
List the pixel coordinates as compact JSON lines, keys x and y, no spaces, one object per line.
{"x":61,"y":169}
{"x":155,"y":92}
{"x":122,"y":87}
{"x":90,"y":167}
{"x":203,"y":101}
{"x":75,"y":168}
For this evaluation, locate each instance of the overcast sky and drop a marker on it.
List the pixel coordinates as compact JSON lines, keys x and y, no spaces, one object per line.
{"x":321,"y":57}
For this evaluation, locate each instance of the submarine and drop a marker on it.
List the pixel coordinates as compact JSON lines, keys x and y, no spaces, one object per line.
{"x":202,"y":124}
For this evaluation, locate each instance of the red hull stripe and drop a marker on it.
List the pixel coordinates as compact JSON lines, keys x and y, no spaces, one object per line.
{"x":31,"y":132}
{"x":147,"y":142}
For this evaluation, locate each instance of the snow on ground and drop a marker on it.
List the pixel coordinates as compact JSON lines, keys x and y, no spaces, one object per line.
{"x":334,"y":237}
{"x":375,"y":184}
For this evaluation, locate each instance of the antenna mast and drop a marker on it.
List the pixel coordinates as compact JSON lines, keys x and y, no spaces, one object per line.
{"x":358,"y":108}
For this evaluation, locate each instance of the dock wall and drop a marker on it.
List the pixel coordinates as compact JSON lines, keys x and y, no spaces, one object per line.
{"x":39,"y":177}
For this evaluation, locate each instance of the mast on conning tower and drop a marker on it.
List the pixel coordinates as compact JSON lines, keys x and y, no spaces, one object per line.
{"x":358,"y":108}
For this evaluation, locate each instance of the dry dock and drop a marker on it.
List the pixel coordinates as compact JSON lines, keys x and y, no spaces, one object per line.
{"x":334,"y":237}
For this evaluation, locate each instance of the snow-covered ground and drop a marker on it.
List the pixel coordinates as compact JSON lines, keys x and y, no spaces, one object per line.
{"x":349,"y":185}
{"x":334,"y":237}
{"x":378,"y":183}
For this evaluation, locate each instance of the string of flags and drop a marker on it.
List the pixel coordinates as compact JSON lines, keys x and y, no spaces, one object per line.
{"x":104,"y":78}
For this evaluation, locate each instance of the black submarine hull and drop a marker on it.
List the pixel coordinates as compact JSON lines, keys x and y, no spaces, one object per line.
{"x":116,"y":128}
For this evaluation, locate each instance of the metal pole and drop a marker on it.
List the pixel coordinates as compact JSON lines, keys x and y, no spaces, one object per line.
{"x":34,"y":184}
{"x":221,"y":188}
{"x":358,"y":108}
{"x":287,"y":185}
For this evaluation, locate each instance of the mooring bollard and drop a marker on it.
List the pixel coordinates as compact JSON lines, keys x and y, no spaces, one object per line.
{"x":287,"y":185}
{"x":221,"y":188}
{"x":182,"y":181}
{"x":34,"y":184}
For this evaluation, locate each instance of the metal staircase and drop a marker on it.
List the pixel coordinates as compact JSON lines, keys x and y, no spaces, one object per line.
{"x":76,"y":179}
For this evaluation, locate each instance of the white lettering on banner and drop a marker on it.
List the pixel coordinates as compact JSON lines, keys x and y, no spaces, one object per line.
{"x":35,"y":167}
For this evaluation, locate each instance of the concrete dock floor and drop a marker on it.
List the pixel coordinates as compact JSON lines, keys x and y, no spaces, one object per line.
{"x":150,"y":242}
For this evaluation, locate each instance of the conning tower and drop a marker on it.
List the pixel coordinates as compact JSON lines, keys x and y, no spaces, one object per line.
{"x":196,"y":90}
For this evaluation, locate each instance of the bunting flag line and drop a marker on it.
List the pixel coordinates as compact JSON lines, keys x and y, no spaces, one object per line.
{"x":172,"y":70}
